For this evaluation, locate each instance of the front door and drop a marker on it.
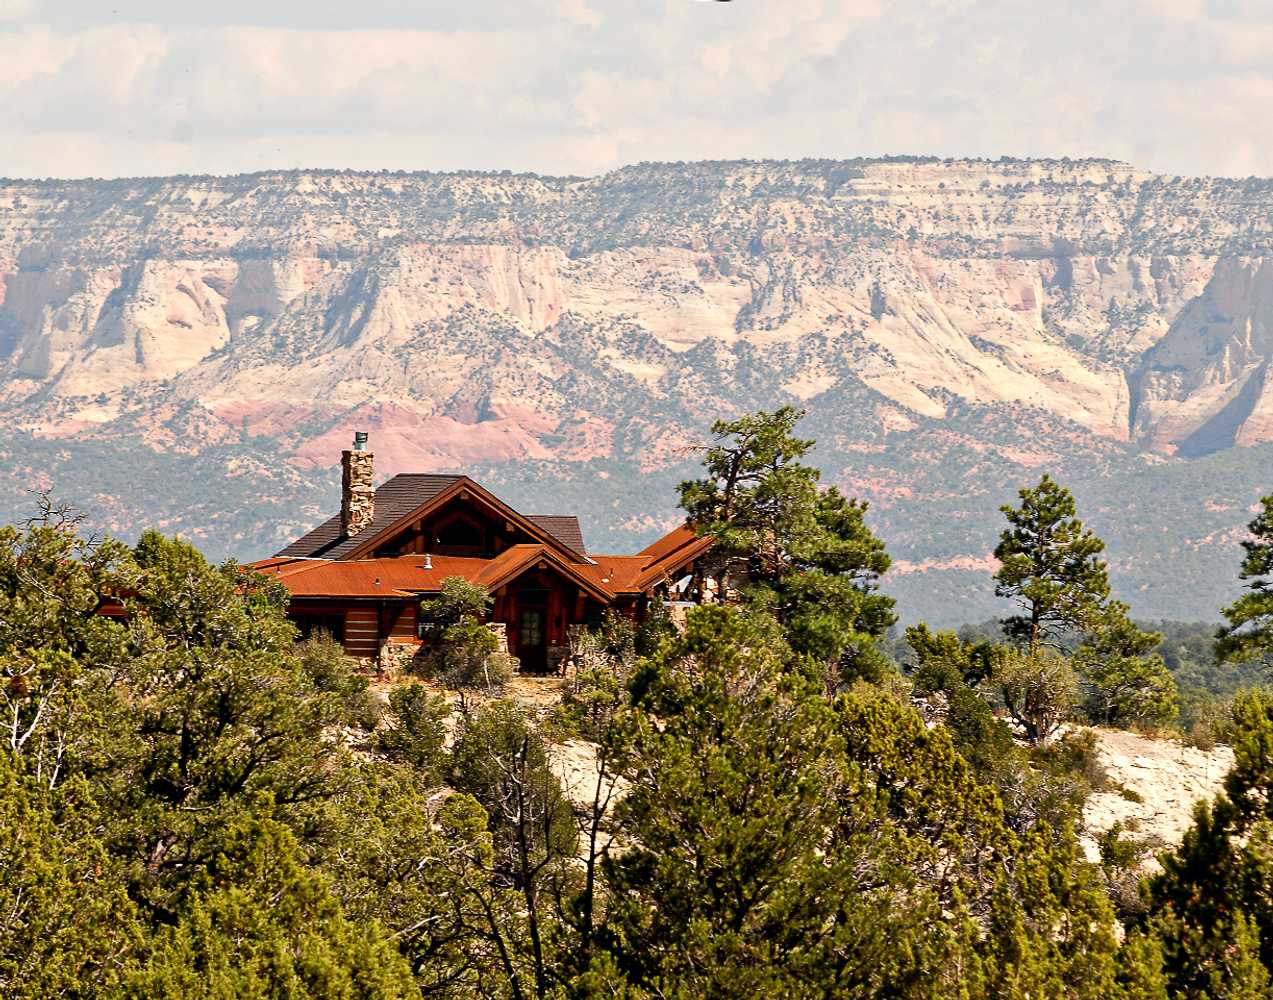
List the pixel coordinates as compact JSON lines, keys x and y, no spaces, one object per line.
{"x":532,"y":639}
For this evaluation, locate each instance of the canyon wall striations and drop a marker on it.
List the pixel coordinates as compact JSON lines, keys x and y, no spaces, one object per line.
{"x":953,"y":327}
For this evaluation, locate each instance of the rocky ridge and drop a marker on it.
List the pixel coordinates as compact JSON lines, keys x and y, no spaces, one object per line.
{"x":953,"y":327}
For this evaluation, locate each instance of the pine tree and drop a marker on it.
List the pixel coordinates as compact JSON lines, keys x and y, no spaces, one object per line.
{"x":1140,"y":967}
{"x":1126,"y":683}
{"x":1209,"y":904}
{"x":260,"y":925}
{"x":66,"y":923}
{"x":813,"y":562}
{"x":729,"y":770}
{"x":60,"y":705}
{"x":1050,"y":566}
{"x":757,"y":498}
{"x":782,"y":844}
{"x":223,"y":715}
{"x":1249,"y":634}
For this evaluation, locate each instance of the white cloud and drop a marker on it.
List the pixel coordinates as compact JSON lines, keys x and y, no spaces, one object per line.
{"x":13,"y":10}
{"x":583,"y":85}
{"x":578,"y":12}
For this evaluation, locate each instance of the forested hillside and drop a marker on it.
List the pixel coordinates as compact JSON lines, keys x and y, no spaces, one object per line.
{"x":193,"y":804}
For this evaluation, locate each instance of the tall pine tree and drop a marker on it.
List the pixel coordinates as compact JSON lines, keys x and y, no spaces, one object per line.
{"x":813,"y":562}
{"x":1050,"y":566}
{"x":1249,"y":634}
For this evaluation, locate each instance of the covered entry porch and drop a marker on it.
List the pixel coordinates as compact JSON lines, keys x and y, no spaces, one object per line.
{"x":537,"y":599}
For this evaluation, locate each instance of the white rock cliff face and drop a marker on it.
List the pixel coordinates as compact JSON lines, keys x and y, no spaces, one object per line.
{"x":985,"y":320}
{"x":928,"y":282}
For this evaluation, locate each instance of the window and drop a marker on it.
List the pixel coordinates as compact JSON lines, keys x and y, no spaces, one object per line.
{"x":312,"y":626}
{"x":531,"y":632}
{"x":429,"y":626}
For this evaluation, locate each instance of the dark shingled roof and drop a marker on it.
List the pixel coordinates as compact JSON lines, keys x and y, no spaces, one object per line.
{"x":563,"y":527}
{"x":398,"y":497}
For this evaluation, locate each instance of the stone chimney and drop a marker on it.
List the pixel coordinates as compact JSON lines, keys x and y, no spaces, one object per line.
{"x":357,"y":491}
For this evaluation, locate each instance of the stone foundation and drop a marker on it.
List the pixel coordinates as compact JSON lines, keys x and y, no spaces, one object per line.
{"x":500,"y":631}
{"x":396,"y":658}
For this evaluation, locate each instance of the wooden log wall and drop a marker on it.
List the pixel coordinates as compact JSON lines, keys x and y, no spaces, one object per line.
{"x":362,"y":632}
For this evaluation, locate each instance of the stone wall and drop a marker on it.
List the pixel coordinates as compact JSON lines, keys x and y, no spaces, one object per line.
{"x":357,"y":492}
{"x":500,"y":631}
{"x":396,"y":659}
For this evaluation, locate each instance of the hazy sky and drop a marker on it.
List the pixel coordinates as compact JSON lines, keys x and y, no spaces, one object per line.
{"x":116,"y":87}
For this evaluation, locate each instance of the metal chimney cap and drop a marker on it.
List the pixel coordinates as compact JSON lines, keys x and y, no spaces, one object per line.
{"x":360,"y":440}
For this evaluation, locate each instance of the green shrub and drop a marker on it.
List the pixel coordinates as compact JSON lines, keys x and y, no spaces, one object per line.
{"x":654,"y":627}
{"x":1206,"y":720}
{"x":983,"y":740}
{"x":1076,"y":753}
{"x":1128,"y":691}
{"x":417,"y":734}
{"x":1117,"y":852}
{"x":594,"y":694}
{"x":604,"y":660}
{"x":616,"y":637}
{"x":458,"y":600}
{"x":1065,"y":773}
{"x":1039,"y":690}
{"x":325,"y":663}
{"x":462,"y":653}
{"x":466,"y":657}
{"x":501,"y":759}
{"x":1122,"y":859}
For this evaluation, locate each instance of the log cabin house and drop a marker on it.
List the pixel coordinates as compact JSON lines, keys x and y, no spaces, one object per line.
{"x":362,"y":574}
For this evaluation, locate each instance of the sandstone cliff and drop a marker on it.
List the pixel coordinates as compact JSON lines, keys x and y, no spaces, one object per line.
{"x":952,"y":326}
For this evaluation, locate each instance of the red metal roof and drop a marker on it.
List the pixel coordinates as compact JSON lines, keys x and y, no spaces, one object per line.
{"x":669,"y":543}
{"x":401,"y":576}
{"x":665,"y":557}
{"x":405,"y":576}
{"x":517,"y":559}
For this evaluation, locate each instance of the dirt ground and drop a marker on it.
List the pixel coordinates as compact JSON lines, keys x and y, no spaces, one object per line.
{"x":1169,"y":776}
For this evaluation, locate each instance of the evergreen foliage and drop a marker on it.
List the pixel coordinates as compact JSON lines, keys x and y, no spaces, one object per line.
{"x":194,"y":805}
{"x":417,"y":734}
{"x":1126,"y":683}
{"x":66,"y":922}
{"x":811,"y":559}
{"x":1050,"y":567}
{"x":1249,"y":633}
{"x":262,"y":925}
{"x":464,"y":653}
{"x":1209,"y":906}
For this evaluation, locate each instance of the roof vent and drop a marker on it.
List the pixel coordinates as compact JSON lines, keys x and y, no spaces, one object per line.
{"x":428,"y":561}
